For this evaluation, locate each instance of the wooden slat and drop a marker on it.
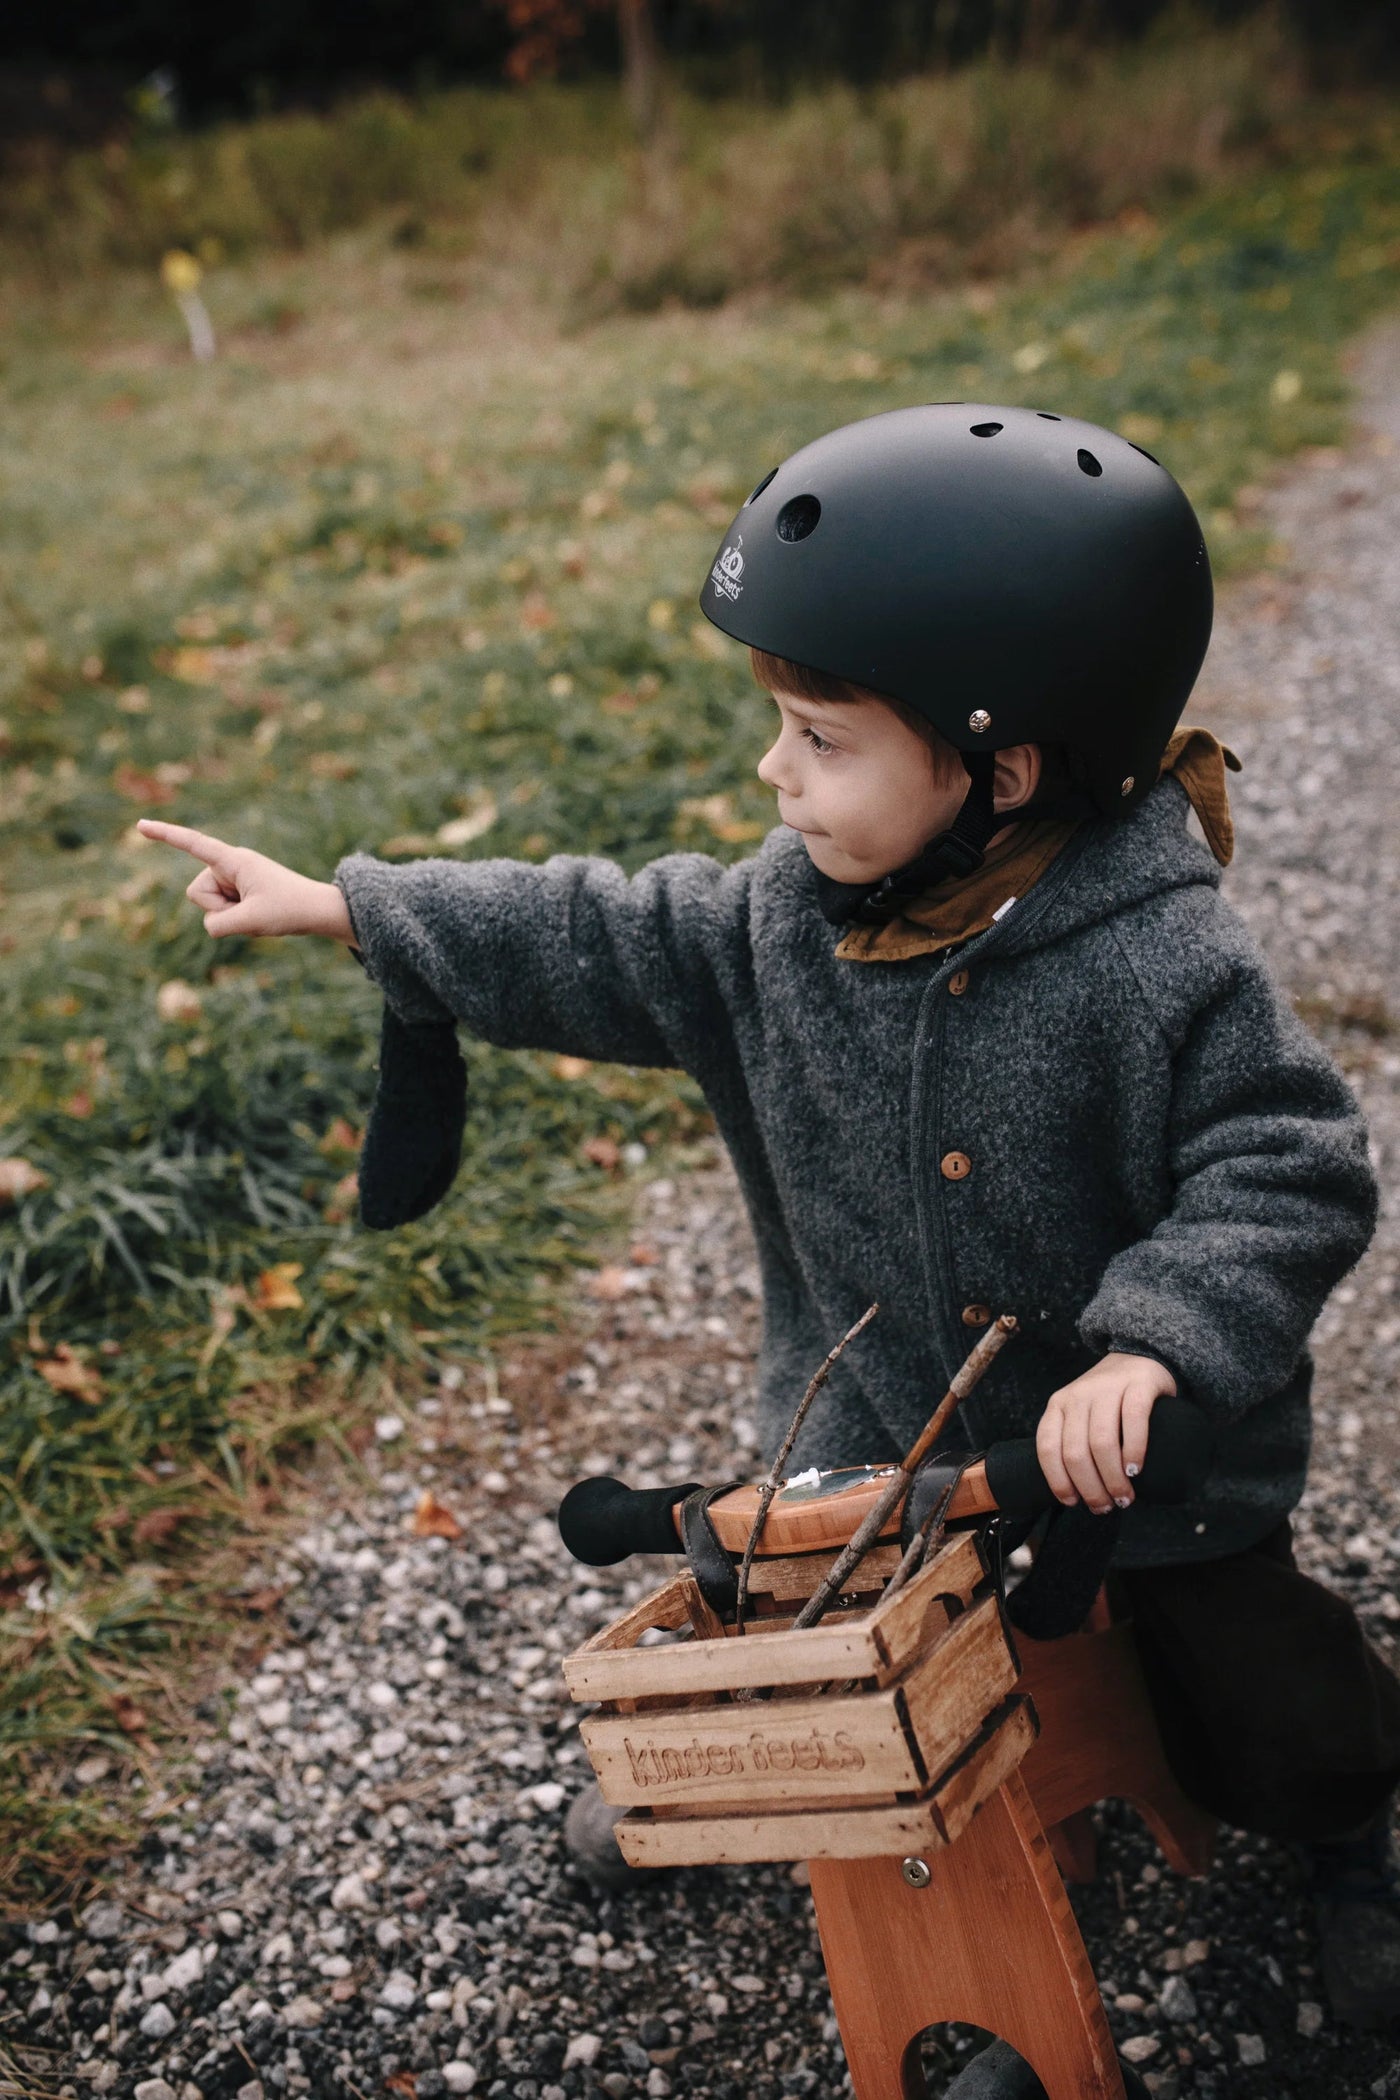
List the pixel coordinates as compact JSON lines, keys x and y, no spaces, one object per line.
{"x":877,"y":1644}
{"x":837,"y":1831}
{"x":949,"y":1693}
{"x":780,"y":1750}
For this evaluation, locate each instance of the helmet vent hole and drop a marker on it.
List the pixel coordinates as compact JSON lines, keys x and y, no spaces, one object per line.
{"x":761,"y":487}
{"x":1088,"y":463}
{"x":985,"y":430}
{"x":799,"y":517}
{"x":1146,"y":454}
{"x":1046,"y":417}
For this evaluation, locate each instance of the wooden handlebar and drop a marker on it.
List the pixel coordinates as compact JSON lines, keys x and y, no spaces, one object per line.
{"x":819,"y":1518}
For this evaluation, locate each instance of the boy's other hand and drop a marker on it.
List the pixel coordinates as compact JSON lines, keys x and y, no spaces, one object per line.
{"x":1092,"y":1436}
{"x":239,"y":891}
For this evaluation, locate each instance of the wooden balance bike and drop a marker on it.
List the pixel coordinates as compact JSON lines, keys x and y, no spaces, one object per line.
{"x":888,"y":1730}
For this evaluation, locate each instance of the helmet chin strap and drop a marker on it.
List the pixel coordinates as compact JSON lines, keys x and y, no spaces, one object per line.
{"x":955,"y":852}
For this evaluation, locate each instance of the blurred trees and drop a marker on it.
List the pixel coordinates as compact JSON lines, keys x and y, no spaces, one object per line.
{"x":229,"y":56}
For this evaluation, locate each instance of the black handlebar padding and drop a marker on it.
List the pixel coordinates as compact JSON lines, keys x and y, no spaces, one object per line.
{"x":1179,"y":1441}
{"x":602,"y":1521}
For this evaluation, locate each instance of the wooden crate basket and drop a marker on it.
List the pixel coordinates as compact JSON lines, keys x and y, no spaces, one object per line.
{"x":880,"y":1730}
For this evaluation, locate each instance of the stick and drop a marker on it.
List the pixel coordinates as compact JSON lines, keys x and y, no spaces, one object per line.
{"x":775,"y":1477}
{"x":866,"y":1533}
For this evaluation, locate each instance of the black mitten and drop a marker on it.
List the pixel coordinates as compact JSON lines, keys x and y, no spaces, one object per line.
{"x":1058,"y":1594}
{"x":413,"y":1145}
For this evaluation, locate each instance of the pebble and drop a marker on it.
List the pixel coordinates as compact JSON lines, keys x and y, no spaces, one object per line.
{"x":157,"y":2021}
{"x":459,"y":2078}
{"x":1139,"y":2048}
{"x":153,"y":2089}
{"x":302,"y":2013}
{"x":102,"y":1921}
{"x":1251,"y":2048}
{"x":1310,"y":2018}
{"x":1177,"y":1999}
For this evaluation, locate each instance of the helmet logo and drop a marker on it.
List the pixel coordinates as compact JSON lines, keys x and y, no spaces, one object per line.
{"x":729,"y":568}
{"x":979,"y":721}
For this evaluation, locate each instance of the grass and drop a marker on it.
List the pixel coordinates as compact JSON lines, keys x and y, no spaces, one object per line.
{"x":404,"y":567}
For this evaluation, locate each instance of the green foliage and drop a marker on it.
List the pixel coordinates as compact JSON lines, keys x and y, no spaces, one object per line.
{"x":415,"y":573}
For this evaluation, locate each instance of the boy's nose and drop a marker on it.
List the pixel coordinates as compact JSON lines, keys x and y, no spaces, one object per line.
{"x":771,"y":771}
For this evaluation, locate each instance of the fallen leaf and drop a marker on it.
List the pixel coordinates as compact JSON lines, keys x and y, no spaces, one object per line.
{"x":145,"y":788}
{"x":643,"y":1257}
{"x":178,"y":1001}
{"x":20,"y":1177}
{"x":340,"y":1204}
{"x":276,"y":1290}
{"x":402,"y":2082}
{"x":158,"y":1524}
{"x":536,"y":613}
{"x":194,"y":666}
{"x":67,"y":1373}
{"x":127,"y":1714}
{"x":433,"y":1519}
{"x":603,"y":1152}
{"x":571,"y":1067}
{"x":260,"y":1602}
{"x":77,"y":1104}
{"x":609,"y":1283}
{"x":460,"y":831}
{"x":341,"y":1136}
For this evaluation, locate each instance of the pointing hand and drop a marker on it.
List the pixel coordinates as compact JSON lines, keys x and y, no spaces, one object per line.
{"x":240,"y":891}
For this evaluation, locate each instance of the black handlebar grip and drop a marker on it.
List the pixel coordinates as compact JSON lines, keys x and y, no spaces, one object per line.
{"x":602,"y":1521}
{"x":1179,"y":1442}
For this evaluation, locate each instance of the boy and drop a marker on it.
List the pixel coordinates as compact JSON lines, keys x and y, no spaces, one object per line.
{"x":1041,"y":1070}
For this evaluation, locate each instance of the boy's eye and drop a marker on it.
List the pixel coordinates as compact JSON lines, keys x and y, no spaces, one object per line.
{"x":817,"y":741}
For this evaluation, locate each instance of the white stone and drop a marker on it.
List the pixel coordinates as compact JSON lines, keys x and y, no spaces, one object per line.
{"x":658,"y":2084}
{"x":279,"y":1948}
{"x":1310,"y":2018}
{"x":303,"y":2012}
{"x":276,"y":1713}
{"x":583,"y":2049}
{"x":229,"y":1923}
{"x":381,"y":1694}
{"x":1177,"y":1999}
{"x":548,"y":1795}
{"x":1139,"y":2048}
{"x":399,"y":1992}
{"x":103,"y":1921}
{"x":157,"y":2022}
{"x":459,"y":2078}
{"x":350,"y":1893}
{"x":89,"y":1773}
{"x":752,"y":1985}
{"x":186,"y":1969}
{"x":154,"y":2089}
{"x":153,"y":1986}
{"x":253,"y":2090}
{"x":1251,"y":2048}
{"x":387,"y":1933}
{"x":387,"y":1743}
{"x":585,"y":1957}
{"x":388,"y":1428}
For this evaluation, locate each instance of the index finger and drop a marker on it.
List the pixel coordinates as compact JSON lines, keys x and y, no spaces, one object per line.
{"x":213,"y":852}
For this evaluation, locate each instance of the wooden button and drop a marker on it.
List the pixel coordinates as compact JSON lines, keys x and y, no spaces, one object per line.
{"x":958,"y":983}
{"x":955,"y":1166}
{"x":976,"y":1315}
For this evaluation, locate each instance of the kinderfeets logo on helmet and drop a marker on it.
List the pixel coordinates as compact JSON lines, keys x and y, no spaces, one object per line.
{"x":729,"y":568}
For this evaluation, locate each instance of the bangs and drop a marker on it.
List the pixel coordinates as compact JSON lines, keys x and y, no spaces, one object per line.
{"x":779,"y":674}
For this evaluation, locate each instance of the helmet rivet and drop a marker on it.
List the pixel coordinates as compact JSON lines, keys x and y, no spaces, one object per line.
{"x":979,"y":720}
{"x":1128,"y":785}
{"x":916,"y":1872}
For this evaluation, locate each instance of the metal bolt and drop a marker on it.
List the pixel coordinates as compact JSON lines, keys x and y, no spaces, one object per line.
{"x":916,"y":1872}
{"x":1128,"y":785}
{"x":979,"y":720}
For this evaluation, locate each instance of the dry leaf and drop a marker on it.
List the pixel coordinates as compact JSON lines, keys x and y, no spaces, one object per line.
{"x":536,"y":613}
{"x":603,"y":1152}
{"x":78,"y":1104}
{"x":67,"y":1373}
{"x":341,"y":1136}
{"x":145,"y":788}
{"x":127,"y":1714}
{"x":460,"y":831}
{"x":158,"y":1524}
{"x":178,"y":1001}
{"x":609,"y":1283}
{"x":20,"y":1177}
{"x":340,"y":1204}
{"x":433,"y":1519}
{"x":276,"y":1290}
{"x":402,"y":2082}
{"x":571,"y":1067}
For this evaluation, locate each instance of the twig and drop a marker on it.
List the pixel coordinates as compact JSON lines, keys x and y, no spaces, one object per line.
{"x":775,"y":1478}
{"x":917,"y":1551}
{"x":866,"y":1533}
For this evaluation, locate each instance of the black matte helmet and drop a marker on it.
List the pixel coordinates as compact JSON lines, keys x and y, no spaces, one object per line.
{"x":1012,"y":576}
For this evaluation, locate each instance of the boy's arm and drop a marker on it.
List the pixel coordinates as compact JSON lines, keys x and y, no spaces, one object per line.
{"x":572,"y":955}
{"x":1275,"y":1200}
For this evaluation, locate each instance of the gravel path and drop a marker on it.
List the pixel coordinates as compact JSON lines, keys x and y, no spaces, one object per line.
{"x":360,"y":1888}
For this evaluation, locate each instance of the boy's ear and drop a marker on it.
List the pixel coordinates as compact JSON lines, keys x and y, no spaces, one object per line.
{"x":1017,"y":777}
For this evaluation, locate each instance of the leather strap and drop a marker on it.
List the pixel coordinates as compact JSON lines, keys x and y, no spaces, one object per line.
{"x":715,"y":1574}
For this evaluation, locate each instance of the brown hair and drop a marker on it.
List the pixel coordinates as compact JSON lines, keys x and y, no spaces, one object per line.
{"x":779,"y":674}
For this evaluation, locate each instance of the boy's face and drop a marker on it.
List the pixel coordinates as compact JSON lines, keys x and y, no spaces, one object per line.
{"x":861,"y":786}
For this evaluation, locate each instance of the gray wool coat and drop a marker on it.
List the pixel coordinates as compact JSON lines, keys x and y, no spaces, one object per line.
{"x":1161,"y":1159}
